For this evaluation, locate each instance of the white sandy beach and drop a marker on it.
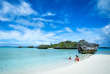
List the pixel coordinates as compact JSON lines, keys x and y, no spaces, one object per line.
{"x":95,"y":64}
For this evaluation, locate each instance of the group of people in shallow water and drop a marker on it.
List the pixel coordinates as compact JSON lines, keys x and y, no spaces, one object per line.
{"x":76,"y":59}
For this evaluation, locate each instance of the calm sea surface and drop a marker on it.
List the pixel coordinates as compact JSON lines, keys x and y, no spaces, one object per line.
{"x":25,"y":60}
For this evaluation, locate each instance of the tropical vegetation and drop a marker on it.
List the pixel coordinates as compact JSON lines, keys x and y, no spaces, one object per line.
{"x":61,"y":45}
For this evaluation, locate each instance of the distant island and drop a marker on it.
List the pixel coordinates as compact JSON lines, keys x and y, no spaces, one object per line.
{"x":82,"y":46}
{"x":61,"y":45}
{"x":20,"y":47}
{"x":25,"y":47}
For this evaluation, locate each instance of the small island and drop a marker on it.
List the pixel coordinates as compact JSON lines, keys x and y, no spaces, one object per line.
{"x":20,"y":47}
{"x":61,"y":45}
{"x":30,"y":46}
{"x":82,"y":46}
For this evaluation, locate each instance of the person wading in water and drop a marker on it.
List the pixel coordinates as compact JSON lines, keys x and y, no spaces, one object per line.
{"x":77,"y":58}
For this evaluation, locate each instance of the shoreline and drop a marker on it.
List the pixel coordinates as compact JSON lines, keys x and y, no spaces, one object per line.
{"x":95,"y":64}
{"x":59,"y":65}
{"x":66,"y":64}
{"x":55,"y":66}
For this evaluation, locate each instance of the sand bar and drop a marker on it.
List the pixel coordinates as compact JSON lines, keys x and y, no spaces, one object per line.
{"x":95,"y":64}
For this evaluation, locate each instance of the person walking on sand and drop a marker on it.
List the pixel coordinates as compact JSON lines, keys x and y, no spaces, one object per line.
{"x":77,"y":58}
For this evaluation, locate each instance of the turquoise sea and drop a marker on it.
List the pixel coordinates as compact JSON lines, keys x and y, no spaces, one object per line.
{"x":26,"y":60}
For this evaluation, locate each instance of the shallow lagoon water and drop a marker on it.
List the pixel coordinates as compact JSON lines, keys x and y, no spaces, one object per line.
{"x":22,"y":60}
{"x":13,"y":59}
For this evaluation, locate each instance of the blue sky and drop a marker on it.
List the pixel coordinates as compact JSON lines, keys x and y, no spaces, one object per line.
{"x":34,"y":22}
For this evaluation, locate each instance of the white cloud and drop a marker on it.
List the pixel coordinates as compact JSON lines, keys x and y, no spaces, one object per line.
{"x":4,"y":18}
{"x":89,"y":34}
{"x":105,"y":35}
{"x":85,"y":30}
{"x":49,"y":14}
{"x":50,"y":21}
{"x":25,"y":9}
{"x":26,"y":36}
{"x":30,"y":23}
{"x":40,"y":24}
{"x":82,"y":29}
{"x":68,"y":29}
{"x":98,"y":35}
{"x":19,"y":27}
{"x":53,"y":25}
{"x":11,"y":10}
{"x":59,"y":31}
{"x":41,"y":19}
{"x":3,"y":42}
{"x":103,"y":6}
{"x":106,"y":30}
{"x":9,"y":34}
